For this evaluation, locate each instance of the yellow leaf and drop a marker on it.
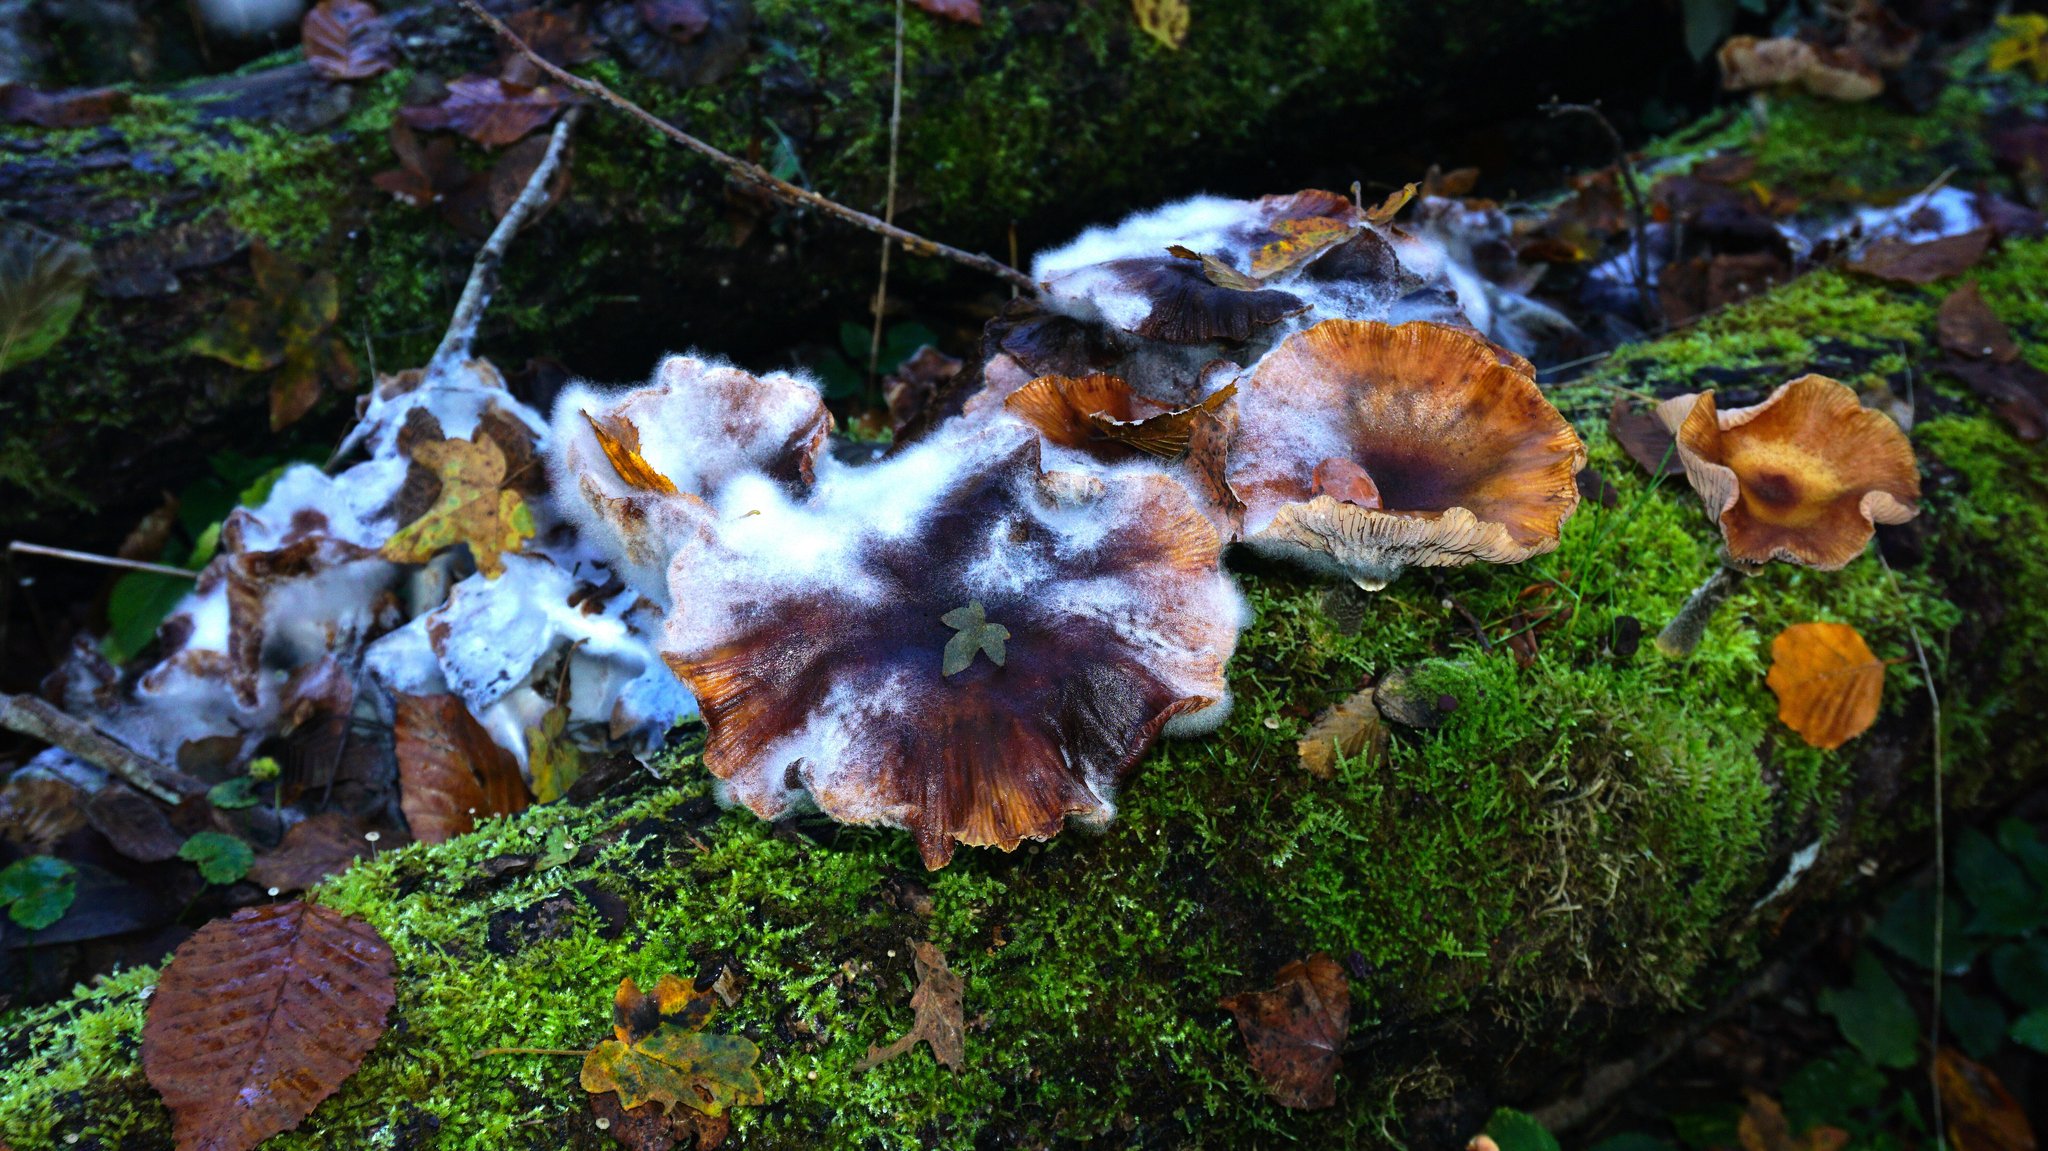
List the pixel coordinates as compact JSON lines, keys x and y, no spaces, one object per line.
{"x":471,"y":508}
{"x":1216,"y":268}
{"x":2025,"y":42}
{"x":707,"y":1072}
{"x":1827,"y":680}
{"x":1389,"y":207}
{"x":1164,"y":20}
{"x":1303,"y":241}
{"x":556,"y":761}
{"x":621,"y":443}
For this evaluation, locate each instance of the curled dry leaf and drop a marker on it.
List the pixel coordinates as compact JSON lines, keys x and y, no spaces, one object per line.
{"x":1295,"y":1032}
{"x":42,"y":285}
{"x":450,"y":772}
{"x":1904,"y":262}
{"x":963,"y":11}
{"x":346,"y":40}
{"x":1384,"y":212}
{"x":938,"y":1003}
{"x":621,"y":443}
{"x":1645,"y":438}
{"x":260,"y":1017}
{"x":1827,"y":680}
{"x":1350,"y":727}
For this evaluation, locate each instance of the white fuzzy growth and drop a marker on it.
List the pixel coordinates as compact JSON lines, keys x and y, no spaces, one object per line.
{"x":246,"y":18}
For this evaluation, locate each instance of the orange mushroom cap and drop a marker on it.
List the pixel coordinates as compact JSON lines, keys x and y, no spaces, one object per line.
{"x":1466,"y":458}
{"x":1804,"y":476}
{"x":952,"y":640}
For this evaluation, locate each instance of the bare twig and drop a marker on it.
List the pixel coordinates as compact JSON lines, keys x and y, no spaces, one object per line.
{"x":483,"y":275}
{"x":754,"y":174}
{"x":27,"y":549}
{"x":36,"y":719}
{"x":888,"y":204}
{"x":1638,"y":213}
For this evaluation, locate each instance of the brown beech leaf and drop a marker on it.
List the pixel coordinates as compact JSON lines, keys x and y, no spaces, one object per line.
{"x":1350,"y":727}
{"x":939,"y":1006}
{"x":556,"y":38}
{"x":260,"y":1017}
{"x":450,"y":772}
{"x":1645,"y":438}
{"x":1295,"y":1032}
{"x":75,"y":108}
{"x":2017,"y":391}
{"x":346,"y":40}
{"x":963,"y":11}
{"x":1967,"y":326}
{"x":427,"y":173}
{"x":650,"y":1128}
{"x":489,"y":110}
{"x":1982,"y":1114}
{"x":1827,"y":680}
{"x":1901,"y":262}
{"x":313,"y":849}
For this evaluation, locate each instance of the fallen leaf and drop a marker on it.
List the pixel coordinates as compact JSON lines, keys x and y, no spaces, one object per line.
{"x":510,"y":175}
{"x":285,"y":329}
{"x":42,"y":286}
{"x":1763,"y":1126}
{"x":1218,"y":270}
{"x":2017,"y":391}
{"x":260,"y":1017}
{"x":1827,"y":680}
{"x":1877,"y":34}
{"x":1295,"y":1032}
{"x":1350,"y":727}
{"x":660,"y":1054}
{"x":1645,"y":438}
{"x":474,"y":507}
{"x":1967,"y":326}
{"x":134,"y":824}
{"x":1982,"y":1114}
{"x":1454,"y":184}
{"x":1749,"y":62}
{"x":2023,"y":42}
{"x":964,"y":11}
{"x":559,"y":39}
{"x":487,"y":109}
{"x":427,"y":173}
{"x":939,"y":1013}
{"x":976,"y":636}
{"x":1166,"y":435}
{"x":649,"y":1128}
{"x":73,"y":108}
{"x":346,"y":40}
{"x":1300,"y":243}
{"x":450,"y":771}
{"x":1384,"y":212}
{"x":555,"y":760}
{"x":1164,"y":20}
{"x":1902,"y":262}
{"x":675,"y":1002}
{"x":682,"y":21}
{"x":621,"y":443}
{"x":312,"y":849}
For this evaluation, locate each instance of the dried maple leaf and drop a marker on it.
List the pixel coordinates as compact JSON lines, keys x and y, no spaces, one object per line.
{"x":660,"y":1055}
{"x":1295,"y":1032}
{"x":1902,"y":262}
{"x":963,"y":11}
{"x":260,"y":1017}
{"x":450,"y":771}
{"x":1827,"y":680}
{"x":940,"y":1013}
{"x":490,"y":110}
{"x":346,"y":40}
{"x":76,"y":108}
{"x":1967,"y":326}
{"x":285,"y":330}
{"x":1164,"y":20}
{"x":475,"y":506}
{"x":1350,"y":727}
{"x":42,"y":285}
{"x":1982,"y":1114}
{"x":621,"y":443}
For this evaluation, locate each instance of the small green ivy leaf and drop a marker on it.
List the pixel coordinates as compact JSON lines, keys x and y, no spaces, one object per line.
{"x":37,"y":890}
{"x":234,"y":794}
{"x":1874,"y":1015}
{"x":222,"y":859}
{"x":976,"y":635}
{"x":2031,"y":1030}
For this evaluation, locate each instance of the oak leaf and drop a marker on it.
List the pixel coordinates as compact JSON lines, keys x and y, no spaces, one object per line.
{"x":621,"y":443}
{"x":492,"y":111}
{"x":346,"y":40}
{"x":660,"y":1054}
{"x":475,"y":506}
{"x":939,"y":1007}
{"x":450,"y":771}
{"x":1295,"y":1032}
{"x":1164,"y":20}
{"x":260,"y":1017}
{"x":1827,"y":680}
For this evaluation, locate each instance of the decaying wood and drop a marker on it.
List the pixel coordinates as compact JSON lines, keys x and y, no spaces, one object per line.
{"x":37,"y":719}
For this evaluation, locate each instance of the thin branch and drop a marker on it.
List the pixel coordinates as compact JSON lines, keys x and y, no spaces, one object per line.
{"x":483,"y":275}
{"x":754,"y":174}
{"x":36,"y":719}
{"x":889,"y":204}
{"x":1940,"y":835}
{"x":26,"y":549}
{"x":1638,"y":213}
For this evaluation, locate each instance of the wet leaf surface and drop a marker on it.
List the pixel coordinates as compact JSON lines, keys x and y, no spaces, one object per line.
{"x":660,"y":1054}
{"x":450,"y":772}
{"x":1904,"y":262}
{"x":1827,"y":680}
{"x":1351,"y":727}
{"x":489,"y":110}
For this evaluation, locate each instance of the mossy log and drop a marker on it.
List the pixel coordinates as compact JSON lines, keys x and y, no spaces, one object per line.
{"x":1595,"y":840}
{"x":1050,"y":115}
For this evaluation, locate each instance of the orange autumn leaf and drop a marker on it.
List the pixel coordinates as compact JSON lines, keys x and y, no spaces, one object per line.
{"x":1827,"y":680}
{"x":450,"y":772}
{"x":621,"y":443}
{"x":1384,"y":213}
{"x":1982,"y":1114}
{"x":1295,"y":1031}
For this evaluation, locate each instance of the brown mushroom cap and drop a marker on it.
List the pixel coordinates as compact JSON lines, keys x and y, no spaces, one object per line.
{"x":1804,"y":476}
{"x":817,"y":640}
{"x":1467,"y":458}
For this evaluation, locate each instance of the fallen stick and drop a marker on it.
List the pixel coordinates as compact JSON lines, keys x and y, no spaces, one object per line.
{"x":37,"y":719}
{"x":27,"y":549}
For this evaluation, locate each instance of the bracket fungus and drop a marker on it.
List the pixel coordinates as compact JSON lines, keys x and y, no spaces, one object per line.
{"x":953,"y":640}
{"x":647,"y":460}
{"x":1804,"y":477}
{"x":1366,"y":448}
